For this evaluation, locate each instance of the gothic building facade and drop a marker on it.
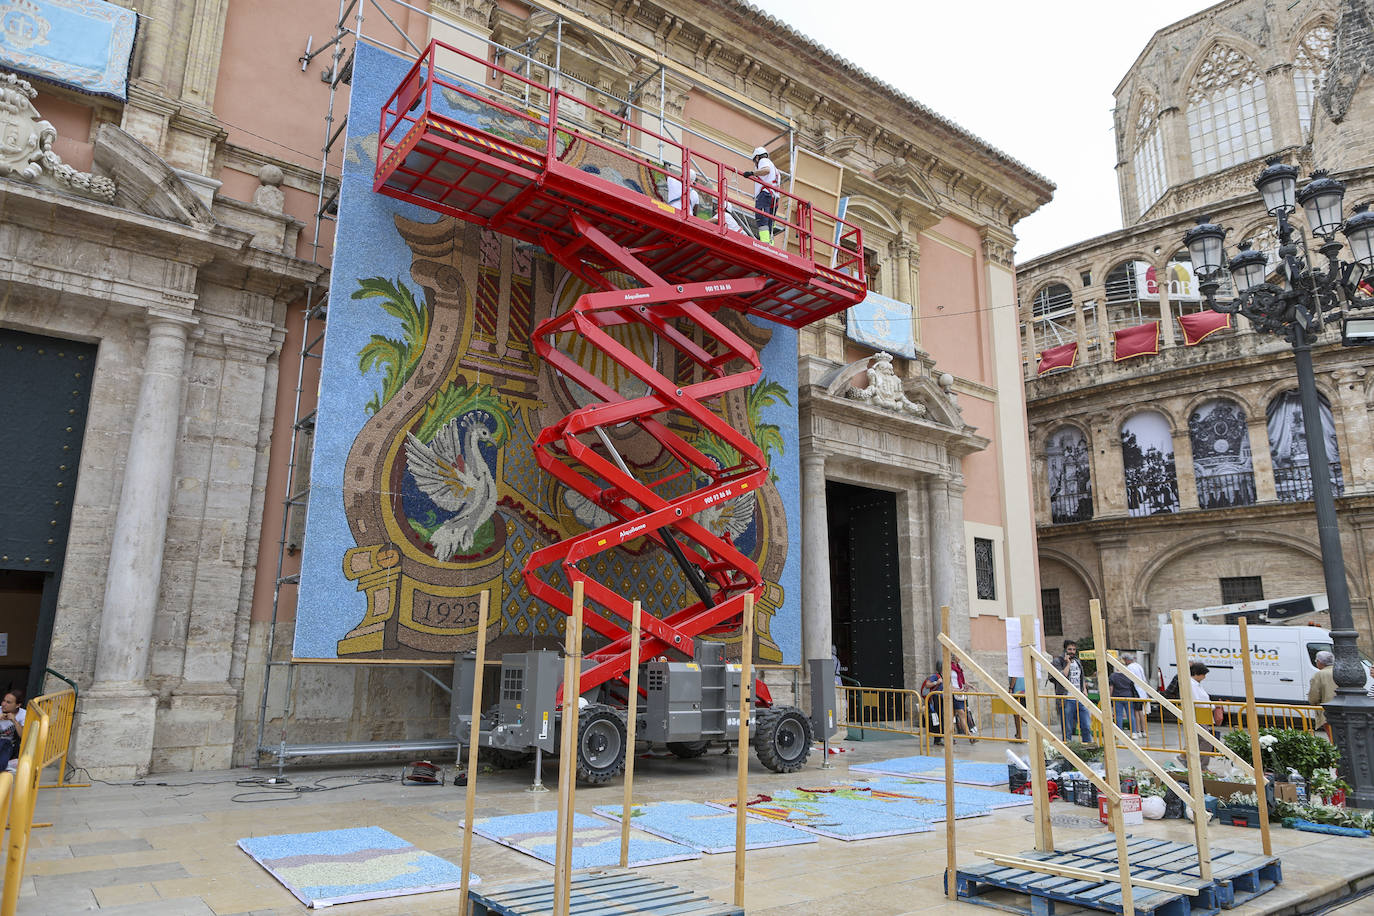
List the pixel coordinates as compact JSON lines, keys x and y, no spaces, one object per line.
{"x":1177,"y":477}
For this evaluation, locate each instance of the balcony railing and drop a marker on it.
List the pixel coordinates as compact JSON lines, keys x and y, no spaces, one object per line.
{"x":1293,"y":483}
{"x":1071,"y":507}
{"x":1220,"y":491}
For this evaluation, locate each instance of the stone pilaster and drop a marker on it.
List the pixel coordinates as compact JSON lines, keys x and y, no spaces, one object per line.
{"x":1261,"y":459}
{"x":816,"y":633}
{"x":1354,"y":414}
{"x":1183,"y":469}
{"x":116,"y":714}
{"x":1114,"y":556}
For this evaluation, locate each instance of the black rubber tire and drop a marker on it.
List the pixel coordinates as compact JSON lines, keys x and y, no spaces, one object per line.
{"x":688,"y":750}
{"x":782,"y":738}
{"x":601,"y":739}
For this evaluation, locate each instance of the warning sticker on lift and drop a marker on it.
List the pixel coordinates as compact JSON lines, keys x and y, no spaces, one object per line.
{"x":544,"y":726}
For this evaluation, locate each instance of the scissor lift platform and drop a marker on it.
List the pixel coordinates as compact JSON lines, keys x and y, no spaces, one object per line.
{"x":605,"y":198}
{"x":517,"y":181}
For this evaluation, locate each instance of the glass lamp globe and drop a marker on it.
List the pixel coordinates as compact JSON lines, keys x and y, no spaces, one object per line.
{"x":1322,"y":200}
{"x":1359,"y":232}
{"x":1205,"y":246}
{"x":1278,"y":184}
{"x":1248,"y":268}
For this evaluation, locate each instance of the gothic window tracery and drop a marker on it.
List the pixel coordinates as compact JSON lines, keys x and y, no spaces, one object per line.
{"x":1228,"y":112}
{"x":1148,"y":159}
{"x":1309,"y":69}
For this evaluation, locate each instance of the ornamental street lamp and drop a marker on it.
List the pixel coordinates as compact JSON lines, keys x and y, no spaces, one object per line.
{"x":1294,"y":303}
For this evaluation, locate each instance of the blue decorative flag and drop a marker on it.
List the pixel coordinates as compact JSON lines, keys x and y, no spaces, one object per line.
{"x":84,"y":45}
{"x":882,"y":323}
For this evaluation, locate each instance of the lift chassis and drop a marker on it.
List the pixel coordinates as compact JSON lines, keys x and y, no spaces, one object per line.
{"x":689,"y":707}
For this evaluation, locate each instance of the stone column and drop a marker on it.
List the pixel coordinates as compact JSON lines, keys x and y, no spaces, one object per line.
{"x":1261,"y":459}
{"x":948,"y":583}
{"x":117,"y":711}
{"x":816,"y":634}
{"x":1166,"y":313}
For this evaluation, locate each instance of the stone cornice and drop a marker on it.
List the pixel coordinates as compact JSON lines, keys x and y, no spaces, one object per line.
{"x":815,"y":402}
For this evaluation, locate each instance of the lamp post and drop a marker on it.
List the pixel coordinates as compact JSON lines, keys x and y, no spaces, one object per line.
{"x":1294,"y":305}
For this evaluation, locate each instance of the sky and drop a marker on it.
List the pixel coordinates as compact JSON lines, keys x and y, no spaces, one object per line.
{"x":1034,"y":80}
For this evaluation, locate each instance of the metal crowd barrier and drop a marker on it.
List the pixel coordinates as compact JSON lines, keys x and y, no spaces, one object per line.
{"x":901,"y":711}
{"x":60,"y":708}
{"x":25,"y":796}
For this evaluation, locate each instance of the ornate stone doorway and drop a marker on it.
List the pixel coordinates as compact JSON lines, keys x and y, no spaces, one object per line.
{"x":45,"y":384}
{"x":865,"y":583}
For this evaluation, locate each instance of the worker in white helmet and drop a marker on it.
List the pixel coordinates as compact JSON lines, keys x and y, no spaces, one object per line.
{"x":766,"y":181}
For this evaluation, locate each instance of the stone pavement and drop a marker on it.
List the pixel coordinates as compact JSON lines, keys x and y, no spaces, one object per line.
{"x":166,"y":846}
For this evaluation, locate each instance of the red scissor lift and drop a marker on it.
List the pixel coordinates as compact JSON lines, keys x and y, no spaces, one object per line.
{"x":517,"y":180}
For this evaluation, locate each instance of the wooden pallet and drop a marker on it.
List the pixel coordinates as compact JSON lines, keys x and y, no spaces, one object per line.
{"x":1042,"y":891}
{"x":606,"y":891}
{"x":1238,"y":876}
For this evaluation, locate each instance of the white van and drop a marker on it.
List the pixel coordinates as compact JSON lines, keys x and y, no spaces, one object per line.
{"x":1281,"y":659}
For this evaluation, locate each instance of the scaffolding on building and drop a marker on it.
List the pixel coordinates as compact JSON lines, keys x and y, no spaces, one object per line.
{"x":822,"y":276}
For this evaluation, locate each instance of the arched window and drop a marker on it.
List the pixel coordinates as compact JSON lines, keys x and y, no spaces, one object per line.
{"x":1071,"y":486}
{"x":1147,"y":452}
{"x":1288,"y":447}
{"x":1148,"y":159}
{"x":1221,"y":455}
{"x":1129,"y":286}
{"x":1228,"y":112}
{"x":1309,"y":69}
{"x":1052,"y":316}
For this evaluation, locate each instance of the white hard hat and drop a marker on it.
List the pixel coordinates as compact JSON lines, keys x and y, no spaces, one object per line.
{"x":691,"y":174}
{"x":760,"y":151}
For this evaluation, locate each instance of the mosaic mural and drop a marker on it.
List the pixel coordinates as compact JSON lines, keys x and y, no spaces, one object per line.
{"x":424,"y":489}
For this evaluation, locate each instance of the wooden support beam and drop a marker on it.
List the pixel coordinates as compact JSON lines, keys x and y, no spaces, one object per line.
{"x":1165,"y":704}
{"x":1045,"y":732}
{"x":631,"y":727}
{"x":1252,"y":725}
{"x":1189,"y":732}
{"x":1086,"y":874}
{"x":746,"y":690}
{"x":948,"y":731}
{"x":474,"y":735}
{"x":1109,"y":729}
{"x":1044,"y":833}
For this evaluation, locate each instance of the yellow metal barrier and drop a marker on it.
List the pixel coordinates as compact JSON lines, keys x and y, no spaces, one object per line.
{"x":901,"y":711}
{"x":36,"y":725}
{"x":1129,"y":711}
{"x":60,"y":708}
{"x":884,"y":709}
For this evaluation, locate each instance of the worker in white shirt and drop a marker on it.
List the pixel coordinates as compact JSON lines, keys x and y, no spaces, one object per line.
{"x":675,"y":191}
{"x":766,"y":184}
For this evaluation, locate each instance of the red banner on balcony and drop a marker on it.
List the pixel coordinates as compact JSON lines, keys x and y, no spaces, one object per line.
{"x":1199,"y":324}
{"x":1141,"y":340}
{"x":1060,"y":357}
